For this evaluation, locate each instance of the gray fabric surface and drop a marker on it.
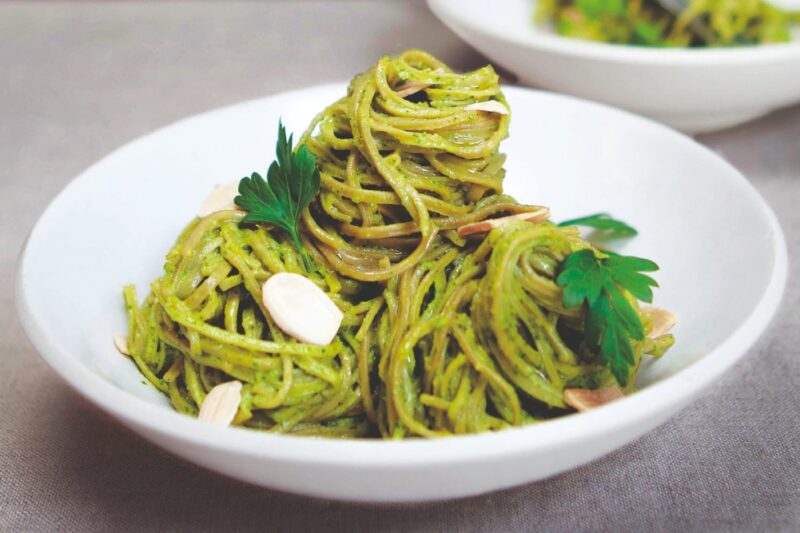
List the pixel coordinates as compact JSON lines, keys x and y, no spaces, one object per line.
{"x":79,"y":80}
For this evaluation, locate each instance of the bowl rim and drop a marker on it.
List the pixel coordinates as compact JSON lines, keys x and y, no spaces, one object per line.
{"x":451,"y":12}
{"x":397,"y":455}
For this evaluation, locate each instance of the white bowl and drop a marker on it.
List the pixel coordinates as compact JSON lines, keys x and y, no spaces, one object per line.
{"x":721,"y":250}
{"x":695,"y":90}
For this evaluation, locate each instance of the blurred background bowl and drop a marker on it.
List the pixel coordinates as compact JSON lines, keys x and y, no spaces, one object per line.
{"x":695,"y":90}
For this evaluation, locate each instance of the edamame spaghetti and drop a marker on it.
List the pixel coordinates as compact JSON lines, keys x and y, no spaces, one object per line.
{"x":459,"y":315}
{"x":649,"y":23}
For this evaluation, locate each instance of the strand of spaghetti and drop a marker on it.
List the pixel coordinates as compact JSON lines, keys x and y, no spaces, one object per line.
{"x":399,"y":363}
{"x":262,"y":401}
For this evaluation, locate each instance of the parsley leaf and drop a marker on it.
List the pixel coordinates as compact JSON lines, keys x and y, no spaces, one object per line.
{"x":292,"y":182}
{"x":598,"y":8}
{"x":605,"y":222}
{"x":610,"y":321}
{"x":648,"y":34}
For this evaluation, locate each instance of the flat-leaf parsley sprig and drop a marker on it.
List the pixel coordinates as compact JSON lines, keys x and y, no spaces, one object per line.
{"x":291,"y":184}
{"x":610,"y":321}
{"x":612,"y":227}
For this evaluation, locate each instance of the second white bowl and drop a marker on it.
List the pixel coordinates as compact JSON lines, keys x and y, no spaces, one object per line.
{"x":695,"y":90}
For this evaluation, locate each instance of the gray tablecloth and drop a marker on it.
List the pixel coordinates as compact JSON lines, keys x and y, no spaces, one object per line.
{"x":78,"y":80}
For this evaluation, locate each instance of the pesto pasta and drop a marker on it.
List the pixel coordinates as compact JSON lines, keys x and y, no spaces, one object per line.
{"x":649,"y":23}
{"x":444,"y":331}
{"x":396,"y":172}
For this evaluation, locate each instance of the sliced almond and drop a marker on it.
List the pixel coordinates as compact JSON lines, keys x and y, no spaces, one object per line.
{"x":485,"y":226}
{"x":301,"y":309}
{"x":585,"y":399}
{"x":121,"y":344}
{"x":662,"y":320}
{"x":220,"y":199}
{"x":221,"y":403}
{"x":489,"y":106}
{"x":409,"y":87}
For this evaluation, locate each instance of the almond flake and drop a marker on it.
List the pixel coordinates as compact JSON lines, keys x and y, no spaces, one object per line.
{"x":121,"y":344}
{"x":221,"y":404}
{"x":409,"y":87}
{"x":662,"y":320}
{"x":485,"y":226}
{"x":586,"y":399}
{"x":220,"y":199}
{"x":489,"y":106}
{"x":301,"y":309}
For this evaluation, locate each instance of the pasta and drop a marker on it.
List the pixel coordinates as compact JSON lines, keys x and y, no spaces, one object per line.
{"x":396,"y":173}
{"x":441,"y":334}
{"x":649,"y":23}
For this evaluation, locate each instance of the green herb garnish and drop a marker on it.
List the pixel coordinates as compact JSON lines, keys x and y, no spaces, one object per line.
{"x":599,"y":8}
{"x":610,"y":321}
{"x":292,"y":182}
{"x":604,"y":222}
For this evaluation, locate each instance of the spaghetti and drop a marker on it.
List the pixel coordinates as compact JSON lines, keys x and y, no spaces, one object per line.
{"x":649,"y":23}
{"x":441,"y":335}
